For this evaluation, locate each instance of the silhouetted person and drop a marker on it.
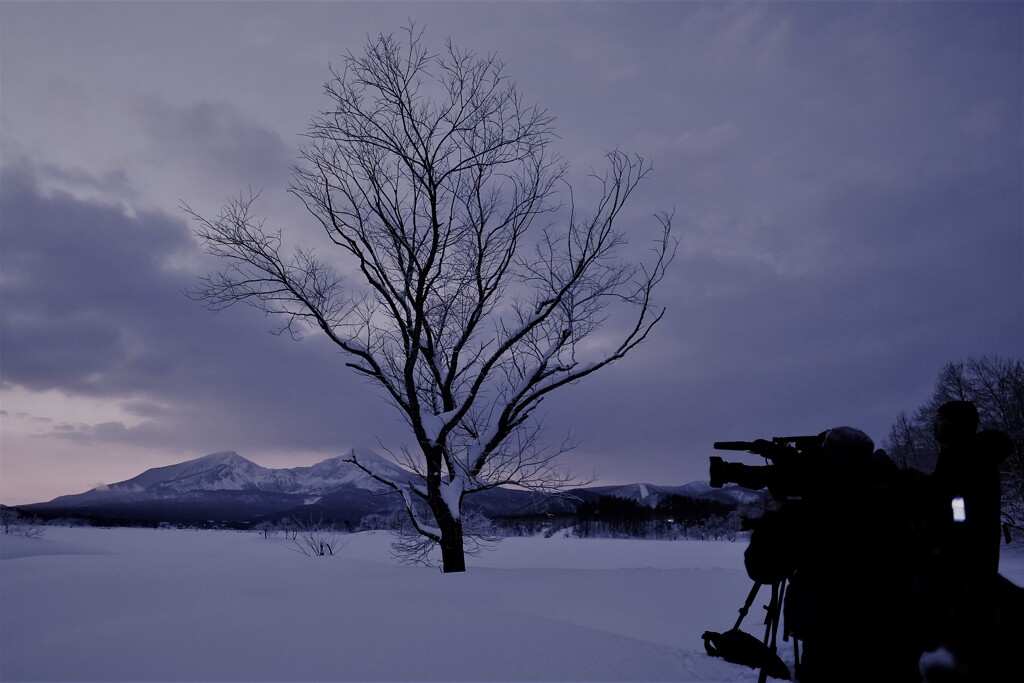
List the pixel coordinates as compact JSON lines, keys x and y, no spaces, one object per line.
{"x":849,"y":594}
{"x":965,"y":531}
{"x":964,"y":498}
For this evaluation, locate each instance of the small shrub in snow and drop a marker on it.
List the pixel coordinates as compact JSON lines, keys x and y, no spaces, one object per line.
{"x":316,"y":538}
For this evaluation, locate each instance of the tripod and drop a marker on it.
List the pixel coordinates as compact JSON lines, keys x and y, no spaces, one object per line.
{"x":773,"y":612}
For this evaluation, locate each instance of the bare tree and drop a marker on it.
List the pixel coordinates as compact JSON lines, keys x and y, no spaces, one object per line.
{"x":13,"y":522}
{"x":265,"y":527}
{"x":480,"y":287}
{"x":316,"y":538}
{"x":910,"y":442}
{"x":289,"y":527}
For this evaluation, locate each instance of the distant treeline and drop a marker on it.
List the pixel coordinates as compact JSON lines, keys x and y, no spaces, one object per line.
{"x":674,"y":517}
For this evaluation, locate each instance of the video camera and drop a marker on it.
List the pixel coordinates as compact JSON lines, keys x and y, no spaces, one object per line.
{"x":793,"y":458}
{"x":794,"y":470}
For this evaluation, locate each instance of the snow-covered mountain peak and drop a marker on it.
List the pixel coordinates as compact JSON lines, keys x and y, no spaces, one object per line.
{"x":378,"y":464}
{"x":224,"y":470}
{"x":229,"y":471}
{"x":339,"y":471}
{"x":223,"y":458}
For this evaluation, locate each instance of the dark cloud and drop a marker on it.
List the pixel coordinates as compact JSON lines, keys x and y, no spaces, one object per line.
{"x":80,"y":280}
{"x":93,"y":306}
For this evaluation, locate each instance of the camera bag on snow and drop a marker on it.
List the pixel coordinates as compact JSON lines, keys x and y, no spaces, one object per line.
{"x":739,"y":647}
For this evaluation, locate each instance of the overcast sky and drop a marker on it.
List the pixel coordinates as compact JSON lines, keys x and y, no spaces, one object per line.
{"x":846,"y":179}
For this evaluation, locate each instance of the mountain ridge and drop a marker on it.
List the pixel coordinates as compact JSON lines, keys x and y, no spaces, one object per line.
{"x":227,"y":486}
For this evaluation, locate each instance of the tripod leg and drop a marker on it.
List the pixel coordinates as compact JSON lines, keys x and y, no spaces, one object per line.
{"x":771,"y":616}
{"x":771,"y":620}
{"x":780,"y":595}
{"x":747,"y":604}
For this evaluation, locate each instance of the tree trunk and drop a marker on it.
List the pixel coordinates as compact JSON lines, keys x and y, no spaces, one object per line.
{"x":453,"y":554}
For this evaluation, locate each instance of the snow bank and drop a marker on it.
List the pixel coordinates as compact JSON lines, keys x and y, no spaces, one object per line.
{"x":141,"y":605}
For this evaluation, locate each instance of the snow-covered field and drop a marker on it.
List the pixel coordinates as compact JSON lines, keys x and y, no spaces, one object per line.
{"x":167,"y":605}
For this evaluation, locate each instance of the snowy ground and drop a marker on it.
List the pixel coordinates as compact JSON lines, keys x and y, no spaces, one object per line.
{"x":142,"y":605}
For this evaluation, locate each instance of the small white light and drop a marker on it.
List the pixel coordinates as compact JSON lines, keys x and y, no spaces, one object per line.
{"x":959,"y":511}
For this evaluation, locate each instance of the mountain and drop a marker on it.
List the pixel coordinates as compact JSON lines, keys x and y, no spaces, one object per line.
{"x":225,"y":487}
{"x":228,"y":471}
